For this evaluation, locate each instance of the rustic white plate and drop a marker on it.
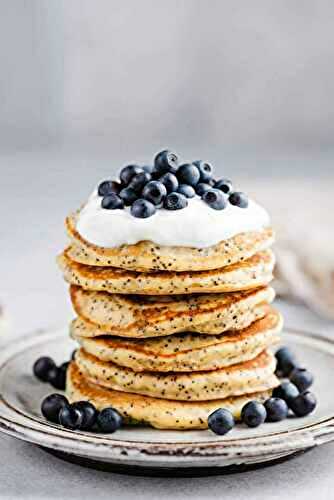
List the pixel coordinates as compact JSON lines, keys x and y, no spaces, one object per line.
{"x":143,"y":450}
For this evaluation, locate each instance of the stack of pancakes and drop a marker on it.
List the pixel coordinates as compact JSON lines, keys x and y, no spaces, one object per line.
{"x":169,"y":334}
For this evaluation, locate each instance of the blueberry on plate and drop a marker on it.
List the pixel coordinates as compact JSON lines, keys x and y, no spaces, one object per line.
{"x":112,"y":202}
{"x":302,"y":378}
{"x":71,"y":417}
{"x":188,"y":174}
{"x":221,"y":421}
{"x":128,"y":195}
{"x":186,"y":190}
{"x":175,"y":201}
{"x":138,"y":181}
{"x":52,"y":405}
{"x":109,"y":420}
{"x":287,"y":391}
{"x":253,"y":414}
{"x":238,"y":199}
{"x":224,"y":185}
{"x":202,"y":187}
{"x":276,"y":409}
{"x":155,"y":192}
{"x":108,"y":187}
{"x":286,"y":361}
{"x":205,"y":170}
{"x":165,"y":161}
{"x":57,"y":378}
{"x":142,"y":209}
{"x":303,"y":404}
{"x":128,"y":172}
{"x":89,"y":414}
{"x":170,"y":182}
{"x":215,"y":199}
{"x":42,"y":366}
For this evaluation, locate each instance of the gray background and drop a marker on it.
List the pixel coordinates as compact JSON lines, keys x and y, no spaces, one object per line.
{"x":86,"y":86}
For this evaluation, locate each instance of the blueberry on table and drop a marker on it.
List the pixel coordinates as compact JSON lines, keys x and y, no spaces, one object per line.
{"x":71,"y":417}
{"x":221,"y":421}
{"x":112,"y":202}
{"x":128,"y":195}
{"x":89,"y":413}
{"x":188,"y":174}
{"x":52,"y":405}
{"x":224,"y":185}
{"x":287,"y":391}
{"x":276,"y":409}
{"x":170,"y":182}
{"x":253,"y":414}
{"x":138,"y":181}
{"x":202,"y":187}
{"x":42,"y":366}
{"x":142,"y":209}
{"x":238,"y":199}
{"x":205,"y":170}
{"x":175,"y":201}
{"x":108,"y":187}
{"x":57,"y":378}
{"x":303,"y":404}
{"x":128,"y":172}
{"x":109,"y":420}
{"x":215,"y":199}
{"x":154,"y":191}
{"x":166,"y":161}
{"x":302,"y":378}
{"x":186,"y":190}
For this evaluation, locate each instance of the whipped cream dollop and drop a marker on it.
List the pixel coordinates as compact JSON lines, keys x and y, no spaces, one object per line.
{"x":197,"y":225}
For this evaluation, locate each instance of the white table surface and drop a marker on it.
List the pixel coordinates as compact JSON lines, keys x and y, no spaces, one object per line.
{"x":36,"y":193}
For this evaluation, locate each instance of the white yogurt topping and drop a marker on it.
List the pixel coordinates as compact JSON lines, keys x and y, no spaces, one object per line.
{"x":197,"y":225}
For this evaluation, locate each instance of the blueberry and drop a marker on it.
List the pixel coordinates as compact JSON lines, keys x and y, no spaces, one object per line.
{"x":303,"y":404}
{"x":57,"y":378}
{"x":175,"y":201}
{"x":253,"y":414}
{"x":138,"y":181}
{"x":142,"y":209}
{"x":286,"y":361}
{"x":154,"y":192}
{"x":221,"y":421}
{"x":64,"y":366}
{"x":109,"y":420}
{"x":284,"y":354}
{"x":186,"y":190}
{"x":52,"y":405}
{"x":215,"y":199}
{"x":224,"y":185}
{"x":71,"y":417}
{"x":188,"y":174}
{"x":286,"y":391}
{"x":89,"y":413}
{"x":277,"y":409}
{"x":170,"y":182}
{"x":108,"y":187}
{"x":302,"y":378}
{"x":202,"y":188}
{"x":42,"y":366}
{"x":238,"y":199}
{"x":166,"y":161}
{"x":128,"y":172}
{"x":128,"y":195}
{"x":73,"y":354}
{"x":205,"y":170}
{"x":112,"y":202}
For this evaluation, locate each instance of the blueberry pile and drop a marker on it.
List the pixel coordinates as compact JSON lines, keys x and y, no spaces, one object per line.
{"x":167,"y":185}
{"x":292,"y":395}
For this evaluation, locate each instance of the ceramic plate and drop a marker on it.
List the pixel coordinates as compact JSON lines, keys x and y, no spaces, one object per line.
{"x":143,"y":450}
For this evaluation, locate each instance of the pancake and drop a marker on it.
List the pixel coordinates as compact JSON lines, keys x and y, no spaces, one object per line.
{"x":252,"y":376}
{"x":138,"y":316}
{"x":148,"y":256}
{"x":186,"y":352}
{"x":159,"y":413}
{"x":251,"y":273}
